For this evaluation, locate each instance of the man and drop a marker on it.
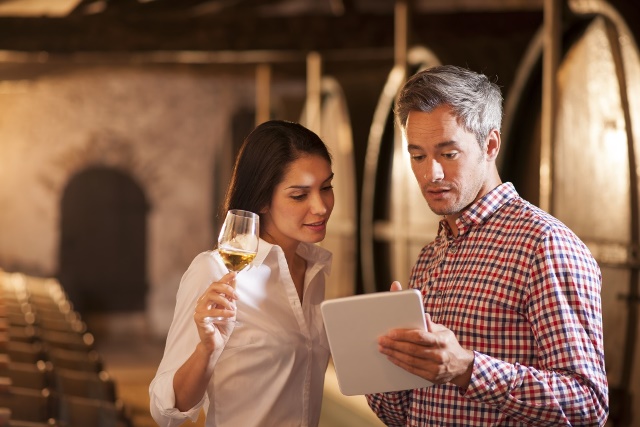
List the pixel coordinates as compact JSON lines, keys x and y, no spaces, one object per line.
{"x":514,"y":325}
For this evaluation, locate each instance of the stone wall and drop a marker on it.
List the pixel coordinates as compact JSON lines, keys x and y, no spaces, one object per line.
{"x":166,"y":127}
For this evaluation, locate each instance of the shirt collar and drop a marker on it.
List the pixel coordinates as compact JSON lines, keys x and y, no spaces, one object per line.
{"x":482,"y":209}
{"x":309,"y":251}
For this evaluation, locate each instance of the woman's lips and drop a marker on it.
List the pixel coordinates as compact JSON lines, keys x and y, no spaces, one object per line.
{"x":317,"y":226}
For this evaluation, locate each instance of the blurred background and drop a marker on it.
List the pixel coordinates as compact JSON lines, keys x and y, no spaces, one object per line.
{"x":120,"y":120}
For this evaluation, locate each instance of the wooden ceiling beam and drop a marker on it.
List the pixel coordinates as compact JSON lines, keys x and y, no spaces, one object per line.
{"x":350,"y":32}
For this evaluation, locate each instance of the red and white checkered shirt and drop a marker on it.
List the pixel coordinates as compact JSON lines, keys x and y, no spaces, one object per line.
{"x":522,"y":291}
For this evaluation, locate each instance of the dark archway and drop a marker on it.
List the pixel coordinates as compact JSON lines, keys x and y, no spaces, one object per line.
{"x":103,"y":242}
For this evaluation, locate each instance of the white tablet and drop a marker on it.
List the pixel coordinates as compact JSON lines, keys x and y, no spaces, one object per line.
{"x":353,"y":325}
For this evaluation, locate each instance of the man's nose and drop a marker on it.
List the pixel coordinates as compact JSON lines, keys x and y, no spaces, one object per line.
{"x":434,"y":171}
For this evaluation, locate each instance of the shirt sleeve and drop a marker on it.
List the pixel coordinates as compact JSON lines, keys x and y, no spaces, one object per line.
{"x":181,"y":342}
{"x":392,"y":408}
{"x":569,"y":387}
{"x":162,"y":403}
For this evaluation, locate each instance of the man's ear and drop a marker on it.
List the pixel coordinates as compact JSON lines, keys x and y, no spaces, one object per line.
{"x":493,"y":142}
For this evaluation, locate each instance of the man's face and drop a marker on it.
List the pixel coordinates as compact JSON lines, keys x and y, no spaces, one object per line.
{"x":451,"y":168}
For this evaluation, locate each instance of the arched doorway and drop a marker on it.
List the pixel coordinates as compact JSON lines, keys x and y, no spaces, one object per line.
{"x":103,"y":242}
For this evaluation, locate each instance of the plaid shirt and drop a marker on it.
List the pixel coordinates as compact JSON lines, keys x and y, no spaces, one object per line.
{"x":521,"y":290}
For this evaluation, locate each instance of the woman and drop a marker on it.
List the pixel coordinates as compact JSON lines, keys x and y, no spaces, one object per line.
{"x":269,"y":371}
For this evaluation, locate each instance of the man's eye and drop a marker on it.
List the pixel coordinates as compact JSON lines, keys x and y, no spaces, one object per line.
{"x":417,"y":157}
{"x":327,"y":188}
{"x":451,"y":155}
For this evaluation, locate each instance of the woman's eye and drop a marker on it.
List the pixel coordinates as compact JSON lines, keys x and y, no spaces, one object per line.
{"x":327,"y":188}
{"x":299,"y":196}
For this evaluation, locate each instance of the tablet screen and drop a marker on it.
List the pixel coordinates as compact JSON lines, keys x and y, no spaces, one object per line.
{"x":353,"y":325}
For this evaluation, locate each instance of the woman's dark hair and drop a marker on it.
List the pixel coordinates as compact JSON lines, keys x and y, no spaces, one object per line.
{"x":263,"y":160}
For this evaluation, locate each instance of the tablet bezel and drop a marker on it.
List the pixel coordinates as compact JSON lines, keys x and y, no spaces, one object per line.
{"x":354,"y":324}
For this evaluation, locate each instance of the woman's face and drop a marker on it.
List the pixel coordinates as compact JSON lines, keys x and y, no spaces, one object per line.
{"x":301,"y":204}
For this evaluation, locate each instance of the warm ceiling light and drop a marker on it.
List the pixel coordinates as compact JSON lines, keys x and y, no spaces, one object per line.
{"x":37,"y":7}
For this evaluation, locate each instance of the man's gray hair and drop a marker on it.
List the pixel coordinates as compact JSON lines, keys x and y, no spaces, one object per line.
{"x":476,"y":101}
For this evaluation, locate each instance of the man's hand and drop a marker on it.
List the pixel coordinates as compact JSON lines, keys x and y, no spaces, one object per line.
{"x":434,"y":354}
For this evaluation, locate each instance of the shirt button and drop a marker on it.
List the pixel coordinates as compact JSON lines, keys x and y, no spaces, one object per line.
{"x":438,"y":293}
{"x":453,"y":248}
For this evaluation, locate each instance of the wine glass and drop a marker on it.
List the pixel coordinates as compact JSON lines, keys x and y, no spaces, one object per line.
{"x":238,"y":244}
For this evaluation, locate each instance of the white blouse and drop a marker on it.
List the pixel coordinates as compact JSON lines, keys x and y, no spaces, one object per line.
{"x":271,"y":372}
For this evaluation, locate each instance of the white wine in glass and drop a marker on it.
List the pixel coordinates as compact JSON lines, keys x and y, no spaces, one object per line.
{"x":235,"y":259}
{"x":238,"y":243}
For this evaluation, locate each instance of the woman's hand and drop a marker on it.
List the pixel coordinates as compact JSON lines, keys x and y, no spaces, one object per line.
{"x":216,"y":301}
{"x":192,"y":378}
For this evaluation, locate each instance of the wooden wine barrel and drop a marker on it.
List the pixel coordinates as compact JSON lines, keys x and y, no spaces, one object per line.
{"x":395,"y":220}
{"x":335,"y":131}
{"x":594,"y":179}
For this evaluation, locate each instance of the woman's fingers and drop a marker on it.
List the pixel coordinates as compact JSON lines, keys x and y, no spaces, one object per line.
{"x":221,"y":295}
{"x":216,"y":290}
{"x":229,"y":278}
{"x":226,"y":285}
{"x":214,"y":307}
{"x":217,"y":300}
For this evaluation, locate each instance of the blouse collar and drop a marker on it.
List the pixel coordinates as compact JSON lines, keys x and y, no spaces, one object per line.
{"x":311,"y":252}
